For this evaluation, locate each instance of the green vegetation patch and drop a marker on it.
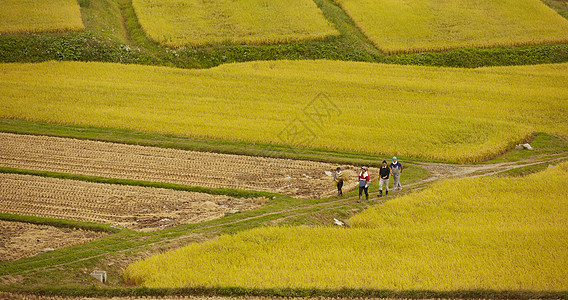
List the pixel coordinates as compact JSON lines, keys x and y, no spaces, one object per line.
{"x":59,"y":223}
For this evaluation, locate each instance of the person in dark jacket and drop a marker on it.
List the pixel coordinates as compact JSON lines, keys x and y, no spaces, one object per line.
{"x":338,"y":178}
{"x":384,"y":173}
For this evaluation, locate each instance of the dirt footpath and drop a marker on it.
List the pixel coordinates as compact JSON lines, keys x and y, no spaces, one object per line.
{"x":297,"y":178}
{"x":19,"y":240}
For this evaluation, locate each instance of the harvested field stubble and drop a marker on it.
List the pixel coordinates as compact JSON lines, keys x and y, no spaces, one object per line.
{"x":18,"y":240}
{"x":303,"y":179}
{"x":139,"y":208}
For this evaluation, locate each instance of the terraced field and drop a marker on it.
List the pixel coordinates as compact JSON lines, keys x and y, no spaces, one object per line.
{"x":449,"y":114}
{"x":140,"y":208}
{"x":302,"y":79}
{"x":177,"y":23}
{"x":430,"y":25}
{"x":483,"y":233}
{"x":31,"y":16}
{"x":19,"y":239}
{"x":303,"y":179}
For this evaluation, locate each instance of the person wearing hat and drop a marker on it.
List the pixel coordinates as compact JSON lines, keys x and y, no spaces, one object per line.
{"x":364,"y":183}
{"x":395,"y":171}
{"x":338,"y":178}
{"x":384,"y":172}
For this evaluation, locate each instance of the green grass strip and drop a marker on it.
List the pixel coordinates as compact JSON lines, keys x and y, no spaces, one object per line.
{"x":95,"y":291}
{"x":63,"y":223}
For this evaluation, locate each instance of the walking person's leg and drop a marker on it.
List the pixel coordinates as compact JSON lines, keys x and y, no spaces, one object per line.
{"x":393,"y":182}
{"x":381,"y":180}
{"x":396,"y":183}
{"x":367,"y":193}
{"x":360,"y":192}
{"x":387,"y":185}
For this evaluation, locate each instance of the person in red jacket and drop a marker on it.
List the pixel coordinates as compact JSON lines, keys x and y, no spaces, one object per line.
{"x":364,"y":183}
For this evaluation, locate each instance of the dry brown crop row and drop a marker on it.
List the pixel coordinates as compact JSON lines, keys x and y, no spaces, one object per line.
{"x":18,"y":239}
{"x":303,"y":179}
{"x":140,"y":208}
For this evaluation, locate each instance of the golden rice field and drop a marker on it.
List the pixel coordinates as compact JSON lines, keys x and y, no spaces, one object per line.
{"x":177,"y":23}
{"x":297,"y":178}
{"x":466,"y":234}
{"x":33,"y":16}
{"x":396,"y":26}
{"x":413,"y":111}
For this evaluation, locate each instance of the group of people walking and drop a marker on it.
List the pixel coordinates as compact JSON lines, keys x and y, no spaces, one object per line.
{"x":386,"y":170}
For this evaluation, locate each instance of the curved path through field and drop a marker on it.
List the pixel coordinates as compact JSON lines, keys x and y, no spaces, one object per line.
{"x":439,"y":171}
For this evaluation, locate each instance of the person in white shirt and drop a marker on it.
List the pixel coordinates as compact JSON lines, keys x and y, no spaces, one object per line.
{"x":395,"y":171}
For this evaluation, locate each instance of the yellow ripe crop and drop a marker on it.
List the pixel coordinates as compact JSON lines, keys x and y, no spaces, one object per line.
{"x":396,"y":26}
{"x":30,"y":16}
{"x":468,"y":234}
{"x":178,"y":23}
{"x":426,"y":112}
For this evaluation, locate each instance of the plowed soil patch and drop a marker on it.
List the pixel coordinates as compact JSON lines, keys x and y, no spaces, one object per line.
{"x":18,"y":240}
{"x":140,"y":208}
{"x":301,"y":179}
